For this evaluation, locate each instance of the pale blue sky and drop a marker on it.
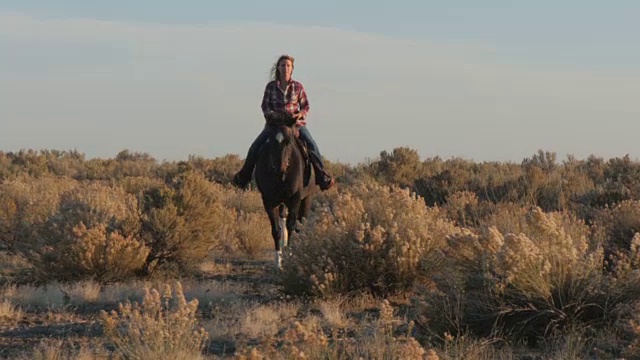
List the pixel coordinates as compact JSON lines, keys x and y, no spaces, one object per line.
{"x":484,"y":80}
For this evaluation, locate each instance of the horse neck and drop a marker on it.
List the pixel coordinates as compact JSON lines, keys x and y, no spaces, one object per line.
{"x":282,"y":156}
{"x":286,"y":154}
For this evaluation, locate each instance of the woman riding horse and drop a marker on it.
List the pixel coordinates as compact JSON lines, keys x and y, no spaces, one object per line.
{"x":284,"y":96}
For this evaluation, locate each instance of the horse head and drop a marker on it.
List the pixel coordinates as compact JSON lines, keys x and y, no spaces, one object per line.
{"x":285,"y":141}
{"x":285,"y":131}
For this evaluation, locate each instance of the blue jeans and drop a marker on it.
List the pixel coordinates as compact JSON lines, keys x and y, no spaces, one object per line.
{"x":305,"y":135}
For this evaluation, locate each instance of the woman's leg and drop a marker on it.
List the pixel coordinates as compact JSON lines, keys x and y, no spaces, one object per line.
{"x":322,"y":177}
{"x":243,"y":177}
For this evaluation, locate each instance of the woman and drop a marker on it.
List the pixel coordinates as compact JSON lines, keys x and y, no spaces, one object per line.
{"x":283,"y":95}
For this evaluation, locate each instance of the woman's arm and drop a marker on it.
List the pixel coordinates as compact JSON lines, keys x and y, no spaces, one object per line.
{"x":303,"y":102}
{"x":267,"y":106}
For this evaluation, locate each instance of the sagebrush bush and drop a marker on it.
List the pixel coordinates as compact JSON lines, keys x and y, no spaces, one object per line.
{"x":253,"y":233}
{"x":463,"y":208}
{"x":618,"y":225}
{"x":136,"y":185}
{"x":371,"y":238}
{"x":25,"y":204}
{"x":545,"y":278}
{"x":184,"y":220}
{"x":93,"y":234}
{"x":163,"y":326}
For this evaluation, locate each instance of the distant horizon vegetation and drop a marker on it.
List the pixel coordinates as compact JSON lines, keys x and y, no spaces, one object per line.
{"x":141,"y":154}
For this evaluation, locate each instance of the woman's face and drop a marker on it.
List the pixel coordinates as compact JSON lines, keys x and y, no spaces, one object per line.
{"x":285,"y":67}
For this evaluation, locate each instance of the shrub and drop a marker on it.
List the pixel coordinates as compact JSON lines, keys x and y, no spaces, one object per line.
{"x":25,"y":204}
{"x":184,"y":220}
{"x":92,"y":235}
{"x":253,"y":233}
{"x":400,"y":167}
{"x":463,"y":209}
{"x":163,"y":326}
{"x":547,"y":277}
{"x":373,"y":238}
{"x":384,"y":337}
{"x":618,"y":225}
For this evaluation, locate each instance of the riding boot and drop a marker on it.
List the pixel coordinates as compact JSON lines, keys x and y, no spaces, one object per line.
{"x":243,"y":177}
{"x":323,"y":179}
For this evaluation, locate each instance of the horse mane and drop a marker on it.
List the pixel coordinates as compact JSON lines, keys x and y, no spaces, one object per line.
{"x":281,"y":119}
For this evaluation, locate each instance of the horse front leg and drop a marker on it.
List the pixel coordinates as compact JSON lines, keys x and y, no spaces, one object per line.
{"x":276,"y":232}
{"x":284,"y":233}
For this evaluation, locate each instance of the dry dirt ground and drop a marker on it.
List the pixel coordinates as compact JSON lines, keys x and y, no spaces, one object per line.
{"x":51,"y":317}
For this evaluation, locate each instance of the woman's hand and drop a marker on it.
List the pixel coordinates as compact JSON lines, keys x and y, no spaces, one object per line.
{"x":299,"y":120}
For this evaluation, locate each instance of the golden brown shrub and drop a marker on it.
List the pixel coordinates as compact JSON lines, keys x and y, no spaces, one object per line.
{"x":184,"y":220}
{"x":543,"y":275}
{"x":93,"y":234}
{"x":25,"y":204}
{"x":618,"y":225}
{"x":163,"y":326}
{"x":372,"y":238}
{"x":253,"y":233}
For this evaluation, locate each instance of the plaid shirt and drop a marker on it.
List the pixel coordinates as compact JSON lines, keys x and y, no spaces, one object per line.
{"x":293,"y":100}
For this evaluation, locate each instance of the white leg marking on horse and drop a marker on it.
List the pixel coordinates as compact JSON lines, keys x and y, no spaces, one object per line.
{"x":279,"y":259}
{"x":284,"y":239}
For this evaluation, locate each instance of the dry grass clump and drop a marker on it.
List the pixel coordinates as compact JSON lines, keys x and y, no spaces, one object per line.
{"x":163,"y":326}
{"x":92,"y":235}
{"x":263,"y":321}
{"x":381,"y":337}
{"x":64,"y":350}
{"x":59,"y":295}
{"x":9,"y":312}
{"x":371,"y":238}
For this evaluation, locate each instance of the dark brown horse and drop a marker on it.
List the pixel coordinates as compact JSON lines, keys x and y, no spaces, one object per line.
{"x":285,"y":180}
